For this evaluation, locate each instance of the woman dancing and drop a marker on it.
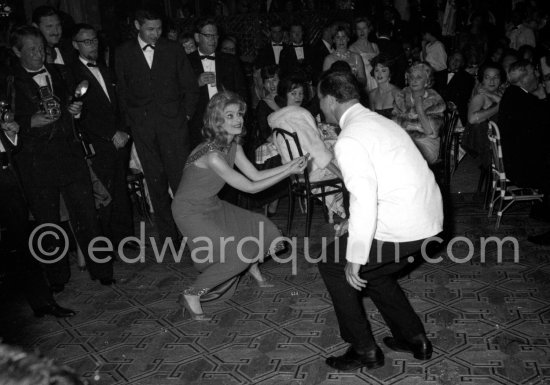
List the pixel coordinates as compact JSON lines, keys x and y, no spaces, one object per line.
{"x":215,"y":228}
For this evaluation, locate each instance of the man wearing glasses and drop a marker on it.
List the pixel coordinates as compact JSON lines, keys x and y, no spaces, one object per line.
{"x":157,"y":94}
{"x":214,"y":71}
{"x":100,"y":120}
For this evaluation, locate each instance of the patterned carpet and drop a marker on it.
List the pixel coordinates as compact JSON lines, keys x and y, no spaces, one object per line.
{"x":489,"y":321}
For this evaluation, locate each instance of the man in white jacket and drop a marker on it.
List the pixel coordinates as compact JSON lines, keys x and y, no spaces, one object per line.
{"x":395,"y":206}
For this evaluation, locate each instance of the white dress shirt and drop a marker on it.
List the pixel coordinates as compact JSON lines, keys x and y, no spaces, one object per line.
{"x":209,"y":66}
{"x":149,"y":53}
{"x":393,"y":193}
{"x":277,"y":51}
{"x":58,"y":57}
{"x":299,"y":52}
{"x":97,"y":74}
{"x":44,"y":79}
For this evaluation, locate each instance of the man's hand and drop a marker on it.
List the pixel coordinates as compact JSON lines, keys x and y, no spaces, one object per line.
{"x":207,"y":78}
{"x":11,"y":129}
{"x":352,"y":276}
{"x":120,"y":139}
{"x":75,"y":108}
{"x":41,"y":119}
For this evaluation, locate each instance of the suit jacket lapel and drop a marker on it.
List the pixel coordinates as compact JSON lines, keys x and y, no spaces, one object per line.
{"x":140,"y":57}
{"x":108,"y":84}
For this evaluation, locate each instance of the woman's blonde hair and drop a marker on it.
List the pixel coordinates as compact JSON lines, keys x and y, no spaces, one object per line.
{"x":214,"y":117}
{"x":424,"y":68}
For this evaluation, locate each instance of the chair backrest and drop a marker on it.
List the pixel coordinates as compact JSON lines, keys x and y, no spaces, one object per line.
{"x":493,"y":134}
{"x":449,"y":124}
{"x":294,"y":149}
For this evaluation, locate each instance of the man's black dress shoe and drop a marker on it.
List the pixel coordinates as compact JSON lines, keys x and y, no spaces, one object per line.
{"x":57,"y":288}
{"x":351,"y":360}
{"x":420,"y":346}
{"x":540,"y":239}
{"x":53,"y":309}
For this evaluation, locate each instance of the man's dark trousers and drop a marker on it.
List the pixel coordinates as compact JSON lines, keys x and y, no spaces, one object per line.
{"x":382,"y":288}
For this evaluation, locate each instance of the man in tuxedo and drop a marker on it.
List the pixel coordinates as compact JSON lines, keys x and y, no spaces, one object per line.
{"x":455,"y":85}
{"x":100,"y":121}
{"x":51,"y":162}
{"x":395,"y":205}
{"x":214,"y":71}
{"x":322,"y":48}
{"x":296,"y":56}
{"x":270,"y":54}
{"x":14,"y":213}
{"x":157,"y":94}
{"x":523,"y":120}
{"x":58,"y":50}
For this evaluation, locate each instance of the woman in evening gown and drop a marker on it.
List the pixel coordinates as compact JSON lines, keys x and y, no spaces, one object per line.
{"x":367,"y":49}
{"x":341,"y":52}
{"x":225,"y":240}
{"x":381,"y":98}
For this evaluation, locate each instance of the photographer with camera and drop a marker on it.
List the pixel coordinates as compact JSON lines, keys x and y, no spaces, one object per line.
{"x":51,"y":162}
{"x":14,"y":214}
{"x":102,"y":124}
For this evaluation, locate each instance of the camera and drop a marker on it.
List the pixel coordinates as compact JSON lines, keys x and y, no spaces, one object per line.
{"x":49,"y":103}
{"x":6,"y":114}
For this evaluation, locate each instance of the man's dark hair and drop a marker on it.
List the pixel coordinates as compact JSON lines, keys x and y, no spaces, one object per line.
{"x":17,"y":36}
{"x":275,"y":22}
{"x":202,"y":22}
{"x":342,"y":85}
{"x":384,"y":28}
{"x":81,"y":27}
{"x":43,"y":11}
{"x":146,"y":14}
{"x":340,"y":66}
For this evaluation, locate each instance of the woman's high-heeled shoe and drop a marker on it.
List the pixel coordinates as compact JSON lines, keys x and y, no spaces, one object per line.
{"x":195,"y":316}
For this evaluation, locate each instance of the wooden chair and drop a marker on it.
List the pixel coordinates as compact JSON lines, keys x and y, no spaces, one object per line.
{"x":301,"y":187}
{"x":444,"y":166}
{"x":502,"y":190}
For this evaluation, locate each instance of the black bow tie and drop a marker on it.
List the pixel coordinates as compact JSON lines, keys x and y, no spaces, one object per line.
{"x":202,"y":57}
{"x":89,"y":64}
{"x":277,"y":44}
{"x":148,"y":46}
{"x":42,"y":71}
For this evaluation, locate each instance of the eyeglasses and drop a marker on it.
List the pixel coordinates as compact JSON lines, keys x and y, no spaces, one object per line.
{"x":208,"y":35}
{"x":88,"y":41}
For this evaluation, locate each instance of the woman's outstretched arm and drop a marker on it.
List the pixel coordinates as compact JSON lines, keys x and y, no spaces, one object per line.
{"x":216,"y":162}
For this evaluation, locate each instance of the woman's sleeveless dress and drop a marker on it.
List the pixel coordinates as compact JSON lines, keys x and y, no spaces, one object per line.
{"x":224,"y":239}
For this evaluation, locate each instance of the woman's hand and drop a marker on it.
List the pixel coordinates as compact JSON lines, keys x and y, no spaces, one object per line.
{"x":419,"y":108}
{"x":298,"y":165}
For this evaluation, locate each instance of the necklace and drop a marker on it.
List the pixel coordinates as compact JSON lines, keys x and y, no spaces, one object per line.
{"x":344,"y":55}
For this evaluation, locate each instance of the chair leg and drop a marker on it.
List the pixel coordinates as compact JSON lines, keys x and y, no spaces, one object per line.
{"x":309,"y":214}
{"x":499,"y":212}
{"x":290,"y":216}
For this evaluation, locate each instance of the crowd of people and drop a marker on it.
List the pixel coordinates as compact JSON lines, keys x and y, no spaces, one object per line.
{"x":185,"y":104}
